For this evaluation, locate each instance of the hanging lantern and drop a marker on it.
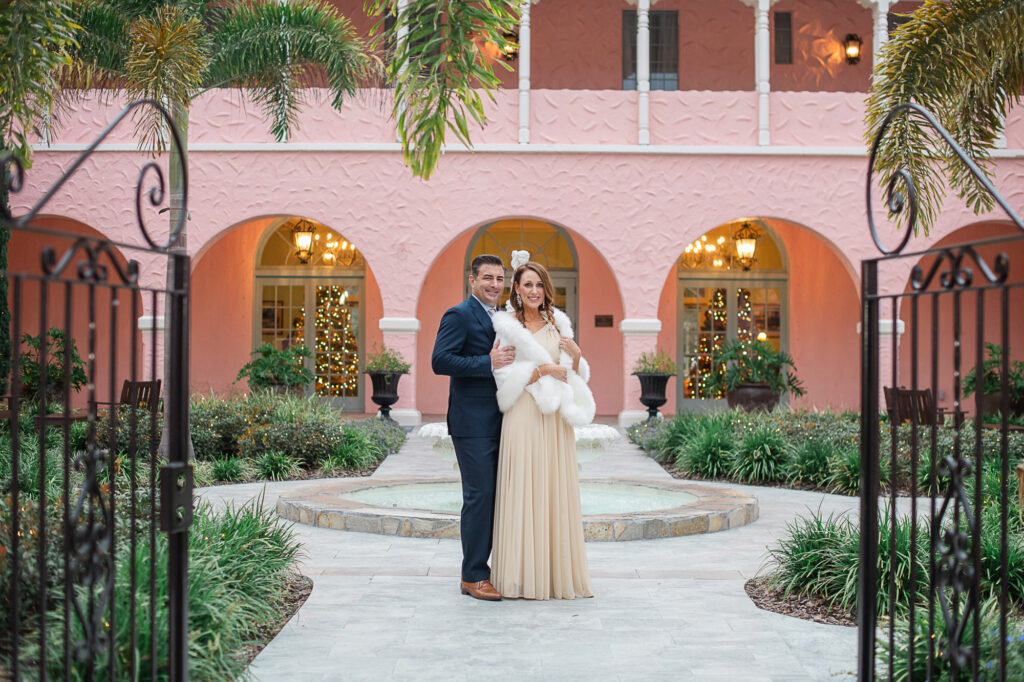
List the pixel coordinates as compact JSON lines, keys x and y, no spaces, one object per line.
{"x":302,"y":237}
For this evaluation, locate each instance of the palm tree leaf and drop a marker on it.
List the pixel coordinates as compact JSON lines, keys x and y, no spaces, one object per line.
{"x":276,"y":49}
{"x":961,"y":60}
{"x":38,"y":36}
{"x":166,"y":61}
{"x":438,"y":71}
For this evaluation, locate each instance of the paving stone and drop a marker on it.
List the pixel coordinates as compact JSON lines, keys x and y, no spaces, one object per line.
{"x":387,"y":607}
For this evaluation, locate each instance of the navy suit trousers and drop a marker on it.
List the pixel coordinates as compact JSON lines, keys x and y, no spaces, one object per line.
{"x":478,"y":463}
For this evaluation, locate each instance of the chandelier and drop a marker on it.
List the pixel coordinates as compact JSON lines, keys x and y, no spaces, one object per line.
{"x":723,"y":253}
{"x":333,"y":252}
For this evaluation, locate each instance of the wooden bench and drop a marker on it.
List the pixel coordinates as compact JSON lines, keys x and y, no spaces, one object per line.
{"x":907,"y":405}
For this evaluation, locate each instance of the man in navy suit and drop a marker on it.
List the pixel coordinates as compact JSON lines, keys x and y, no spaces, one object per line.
{"x":465,"y":350}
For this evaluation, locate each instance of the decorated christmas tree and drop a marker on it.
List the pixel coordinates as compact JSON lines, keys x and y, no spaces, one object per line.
{"x":337,"y":348}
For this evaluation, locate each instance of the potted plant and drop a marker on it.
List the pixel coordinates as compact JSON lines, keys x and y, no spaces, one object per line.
{"x":385,"y":367}
{"x":992,"y":383}
{"x":282,"y":371}
{"x":754,"y":375}
{"x":654,"y":370}
{"x":56,"y":350}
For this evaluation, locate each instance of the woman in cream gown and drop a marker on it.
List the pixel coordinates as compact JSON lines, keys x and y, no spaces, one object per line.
{"x":539,"y":551}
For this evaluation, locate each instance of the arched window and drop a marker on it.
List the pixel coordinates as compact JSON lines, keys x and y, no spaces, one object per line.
{"x":725,"y":292}
{"x":548,"y":245}
{"x":312,"y":297}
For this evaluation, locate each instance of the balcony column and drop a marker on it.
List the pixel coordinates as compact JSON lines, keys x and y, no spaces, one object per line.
{"x":762,"y":70}
{"x":880,"y":14}
{"x":643,"y":70}
{"x":524,"y":72}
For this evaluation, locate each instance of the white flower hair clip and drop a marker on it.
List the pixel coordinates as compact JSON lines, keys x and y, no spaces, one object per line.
{"x":519,"y":258}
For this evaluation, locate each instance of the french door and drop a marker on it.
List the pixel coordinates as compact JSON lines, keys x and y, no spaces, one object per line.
{"x":712,"y":312}
{"x":326,"y":316}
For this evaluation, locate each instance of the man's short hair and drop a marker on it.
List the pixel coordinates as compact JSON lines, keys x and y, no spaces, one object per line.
{"x":485,"y":259}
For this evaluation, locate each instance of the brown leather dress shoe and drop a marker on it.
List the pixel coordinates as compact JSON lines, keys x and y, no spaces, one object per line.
{"x":482,"y":589}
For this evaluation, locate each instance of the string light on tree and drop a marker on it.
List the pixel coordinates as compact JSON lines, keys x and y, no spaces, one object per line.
{"x":337,"y":348}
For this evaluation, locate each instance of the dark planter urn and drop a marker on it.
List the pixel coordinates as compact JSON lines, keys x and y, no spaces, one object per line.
{"x":294,"y":391}
{"x":752,"y":398}
{"x":385,"y":390}
{"x":991,"y":403}
{"x":652,"y":392}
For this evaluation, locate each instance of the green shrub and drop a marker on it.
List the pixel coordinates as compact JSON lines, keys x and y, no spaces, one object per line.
{"x":988,"y":651}
{"x":230,"y":469}
{"x":709,"y":453}
{"x":274,"y":367}
{"x":277,"y":466}
{"x":844,"y":471}
{"x":387,"y":434}
{"x":308,"y":443}
{"x":216,"y":426}
{"x":677,"y":434}
{"x":644,"y":435}
{"x":761,"y":456}
{"x":809,"y":462}
{"x":130,"y":422}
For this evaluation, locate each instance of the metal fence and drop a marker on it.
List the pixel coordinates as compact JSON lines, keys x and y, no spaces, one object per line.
{"x":935,"y":599}
{"x":96,"y":486}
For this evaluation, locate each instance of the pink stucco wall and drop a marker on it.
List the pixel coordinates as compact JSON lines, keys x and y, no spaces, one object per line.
{"x":688,"y":117}
{"x":819,"y":63}
{"x":822,"y":118}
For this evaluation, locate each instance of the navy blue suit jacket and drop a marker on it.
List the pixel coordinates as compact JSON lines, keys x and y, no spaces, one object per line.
{"x":462,"y":351}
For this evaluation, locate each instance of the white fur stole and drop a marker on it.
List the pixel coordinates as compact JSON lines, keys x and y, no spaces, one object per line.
{"x":572,"y":399}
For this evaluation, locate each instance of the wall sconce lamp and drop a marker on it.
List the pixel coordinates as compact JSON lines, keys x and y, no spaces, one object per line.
{"x":511,"y":49}
{"x":746,"y":244}
{"x":851,"y":45}
{"x":302,"y":237}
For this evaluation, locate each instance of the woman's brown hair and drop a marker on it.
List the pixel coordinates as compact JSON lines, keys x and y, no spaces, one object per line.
{"x":549,"y":292}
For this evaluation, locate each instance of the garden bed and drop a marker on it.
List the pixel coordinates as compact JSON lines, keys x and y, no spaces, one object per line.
{"x":805,"y":607}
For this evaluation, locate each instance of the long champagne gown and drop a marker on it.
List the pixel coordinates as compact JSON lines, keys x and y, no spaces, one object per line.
{"x":538,"y":527}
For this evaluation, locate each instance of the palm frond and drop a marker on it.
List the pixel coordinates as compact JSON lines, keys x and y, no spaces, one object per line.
{"x":103,"y":44}
{"x":38,"y":36}
{"x":166,"y":62}
{"x":438,"y":70}
{"x":960,"y":59}
{"x":276,"y":50}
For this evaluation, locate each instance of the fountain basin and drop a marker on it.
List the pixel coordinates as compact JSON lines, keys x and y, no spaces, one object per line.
{"x":616,"y":510}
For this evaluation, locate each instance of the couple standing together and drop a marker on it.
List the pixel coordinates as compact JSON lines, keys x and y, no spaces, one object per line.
{"x":518,"y":387}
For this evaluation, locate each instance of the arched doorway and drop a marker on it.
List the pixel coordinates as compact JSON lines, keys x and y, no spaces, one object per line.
{"x":313,"y":297}
{"x":727,"y":292}
{"x":549,"y":245}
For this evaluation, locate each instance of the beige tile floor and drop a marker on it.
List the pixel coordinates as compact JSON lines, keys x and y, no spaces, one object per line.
{"x":388,"y":608}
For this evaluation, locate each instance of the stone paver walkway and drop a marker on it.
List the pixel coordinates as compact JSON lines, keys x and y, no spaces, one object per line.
{"x":388,"y":608}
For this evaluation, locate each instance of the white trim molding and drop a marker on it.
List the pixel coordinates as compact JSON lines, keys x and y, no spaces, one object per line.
{"x":149,"y":323}
{"x":399,"y":325}
{"x":638,"y":326}
{"x":885,"y":327}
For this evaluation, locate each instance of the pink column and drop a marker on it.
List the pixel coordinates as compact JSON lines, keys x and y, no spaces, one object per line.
{"x":400,"y":335}
{"x":640,"y":335}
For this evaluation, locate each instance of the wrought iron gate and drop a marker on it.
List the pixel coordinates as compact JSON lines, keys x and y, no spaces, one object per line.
{"x":934,"y":599}
{"x":93,"y":520}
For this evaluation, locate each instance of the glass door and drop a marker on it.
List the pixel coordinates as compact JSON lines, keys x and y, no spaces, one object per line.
{"x":712,"y":312}
{"x":333,"y":334}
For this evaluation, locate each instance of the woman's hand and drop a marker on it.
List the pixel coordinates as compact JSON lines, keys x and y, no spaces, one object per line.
{"x":570,"y":347}
{"x":553,"y":370}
